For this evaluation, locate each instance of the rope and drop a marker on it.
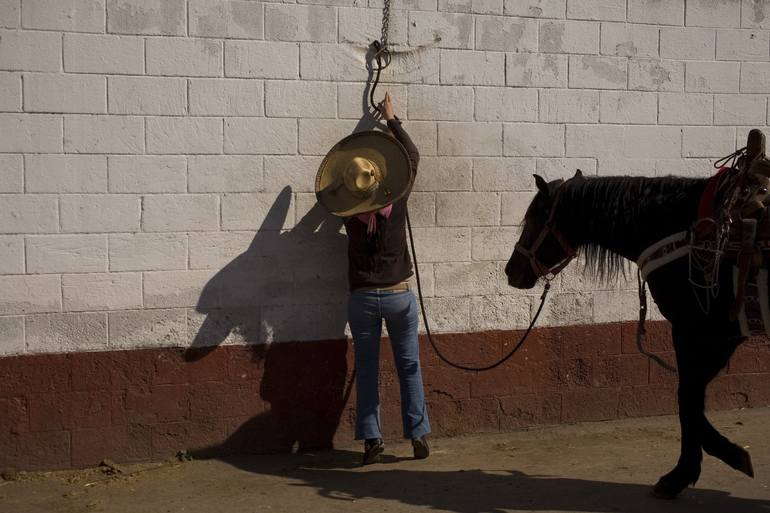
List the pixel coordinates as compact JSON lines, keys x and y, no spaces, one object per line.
{"x":733,"y":156}
{"x":382,"y":59}
{"x":427,"y":327}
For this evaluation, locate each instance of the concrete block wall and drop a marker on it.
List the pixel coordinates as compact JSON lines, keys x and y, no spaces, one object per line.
{"x":157,"y":156}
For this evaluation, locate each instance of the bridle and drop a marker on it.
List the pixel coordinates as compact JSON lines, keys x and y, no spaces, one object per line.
{"x":549,"y":229}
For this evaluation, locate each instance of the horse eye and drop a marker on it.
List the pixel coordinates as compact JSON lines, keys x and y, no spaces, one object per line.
{"x":763,"y":190}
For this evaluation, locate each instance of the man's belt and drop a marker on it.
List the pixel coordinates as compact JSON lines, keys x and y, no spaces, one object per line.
{"x":404,"y":285}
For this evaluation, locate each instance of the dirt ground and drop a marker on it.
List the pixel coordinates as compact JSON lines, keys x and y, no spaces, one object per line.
{"x":593,"y":467}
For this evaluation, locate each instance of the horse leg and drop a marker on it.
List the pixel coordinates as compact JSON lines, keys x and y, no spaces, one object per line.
{"x":717,"y":445}
{"x":714,"y":443}
{"x":691,"y":396}
{"x":687,"y":470}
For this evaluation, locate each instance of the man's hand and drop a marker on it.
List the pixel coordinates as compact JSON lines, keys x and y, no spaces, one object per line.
{"x":386,"y":107}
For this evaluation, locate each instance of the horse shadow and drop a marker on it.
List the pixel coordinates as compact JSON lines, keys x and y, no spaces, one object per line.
{"x":331,"y":474}
{"x":288,"y":286}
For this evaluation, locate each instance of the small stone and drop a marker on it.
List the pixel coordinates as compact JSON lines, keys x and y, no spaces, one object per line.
{"x":110,"y":467}
{"x":9,"y":475}
{"x":184,"y":456}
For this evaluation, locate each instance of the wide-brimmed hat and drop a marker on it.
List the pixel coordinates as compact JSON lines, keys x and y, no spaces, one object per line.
{"x":364,"y":172}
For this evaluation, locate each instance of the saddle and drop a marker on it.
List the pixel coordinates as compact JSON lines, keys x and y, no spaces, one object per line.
{"x":732,"y":225}
{"x":738,"y":229}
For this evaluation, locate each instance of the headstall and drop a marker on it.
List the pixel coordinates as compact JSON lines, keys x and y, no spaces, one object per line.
{"x":549,"y":229}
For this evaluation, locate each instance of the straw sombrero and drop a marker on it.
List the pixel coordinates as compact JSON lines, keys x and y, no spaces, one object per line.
{"x":364,"y":172}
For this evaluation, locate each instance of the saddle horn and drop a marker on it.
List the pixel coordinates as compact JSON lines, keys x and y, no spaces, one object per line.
{"x":755,"y":144}
{"x":756,"y":161}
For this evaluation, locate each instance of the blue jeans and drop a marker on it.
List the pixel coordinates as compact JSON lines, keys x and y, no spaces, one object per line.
{"x":366,"y":310}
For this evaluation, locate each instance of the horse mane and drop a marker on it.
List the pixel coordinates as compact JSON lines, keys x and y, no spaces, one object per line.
{"x":603,"y":265}
{"x":631,"y":202}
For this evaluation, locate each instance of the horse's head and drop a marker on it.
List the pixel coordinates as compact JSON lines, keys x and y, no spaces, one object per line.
{"x":542,"y":250}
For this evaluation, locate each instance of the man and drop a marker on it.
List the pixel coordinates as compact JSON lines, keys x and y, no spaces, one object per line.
{"x":367,"y":178}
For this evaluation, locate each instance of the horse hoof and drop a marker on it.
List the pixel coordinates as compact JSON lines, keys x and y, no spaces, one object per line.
{"x":740,"y":460}
{"x":671,"y":484}
{"x":665,"y":490}
{"x":745,"y":465}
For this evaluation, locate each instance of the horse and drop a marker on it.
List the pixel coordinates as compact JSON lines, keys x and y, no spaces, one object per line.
{"x":611,"y":220}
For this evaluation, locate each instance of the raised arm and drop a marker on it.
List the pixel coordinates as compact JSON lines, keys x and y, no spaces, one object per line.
{"x":394,"y":124}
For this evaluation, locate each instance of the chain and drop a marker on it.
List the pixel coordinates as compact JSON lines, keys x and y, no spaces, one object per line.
{"x":381,"y":52}
{"x":385,"y":24}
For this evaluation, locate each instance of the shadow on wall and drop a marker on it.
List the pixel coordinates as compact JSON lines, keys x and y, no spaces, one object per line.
{"x":286,"y":287}
{"x":304,"y":267}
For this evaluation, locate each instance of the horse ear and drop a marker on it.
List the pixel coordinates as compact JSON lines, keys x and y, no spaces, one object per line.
{"x":542,"y":185}
{"x":578,"y":174}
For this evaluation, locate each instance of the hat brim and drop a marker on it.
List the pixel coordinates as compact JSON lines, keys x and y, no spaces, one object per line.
{"x":385,"y":151}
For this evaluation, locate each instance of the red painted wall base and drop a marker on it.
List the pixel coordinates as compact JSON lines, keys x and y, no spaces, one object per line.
{"x":74,"y":410}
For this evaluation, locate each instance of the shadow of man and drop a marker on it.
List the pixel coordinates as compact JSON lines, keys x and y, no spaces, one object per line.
{"x":287,"y":287}
{"x":306,"y":384}
{"x":335,"y":475}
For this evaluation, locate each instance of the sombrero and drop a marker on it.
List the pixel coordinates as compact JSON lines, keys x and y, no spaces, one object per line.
{"x":364,"y":172}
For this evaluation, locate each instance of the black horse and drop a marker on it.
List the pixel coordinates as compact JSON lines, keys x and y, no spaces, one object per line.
{"x":610,"y":219}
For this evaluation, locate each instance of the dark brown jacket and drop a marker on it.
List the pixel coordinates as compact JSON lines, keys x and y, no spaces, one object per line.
{"x":382,"y":259}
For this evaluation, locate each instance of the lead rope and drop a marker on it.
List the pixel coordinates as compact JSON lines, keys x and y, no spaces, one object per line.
{"x":443,"y":358}
{"x":382,"y":59}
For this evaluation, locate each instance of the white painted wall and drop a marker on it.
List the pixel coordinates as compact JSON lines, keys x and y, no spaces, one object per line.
{"x":145,"y":145}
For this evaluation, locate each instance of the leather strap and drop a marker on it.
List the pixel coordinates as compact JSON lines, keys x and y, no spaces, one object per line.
{"x":540,"y":269}
{"x":404,"y":285}
{"x":748,"y":235}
